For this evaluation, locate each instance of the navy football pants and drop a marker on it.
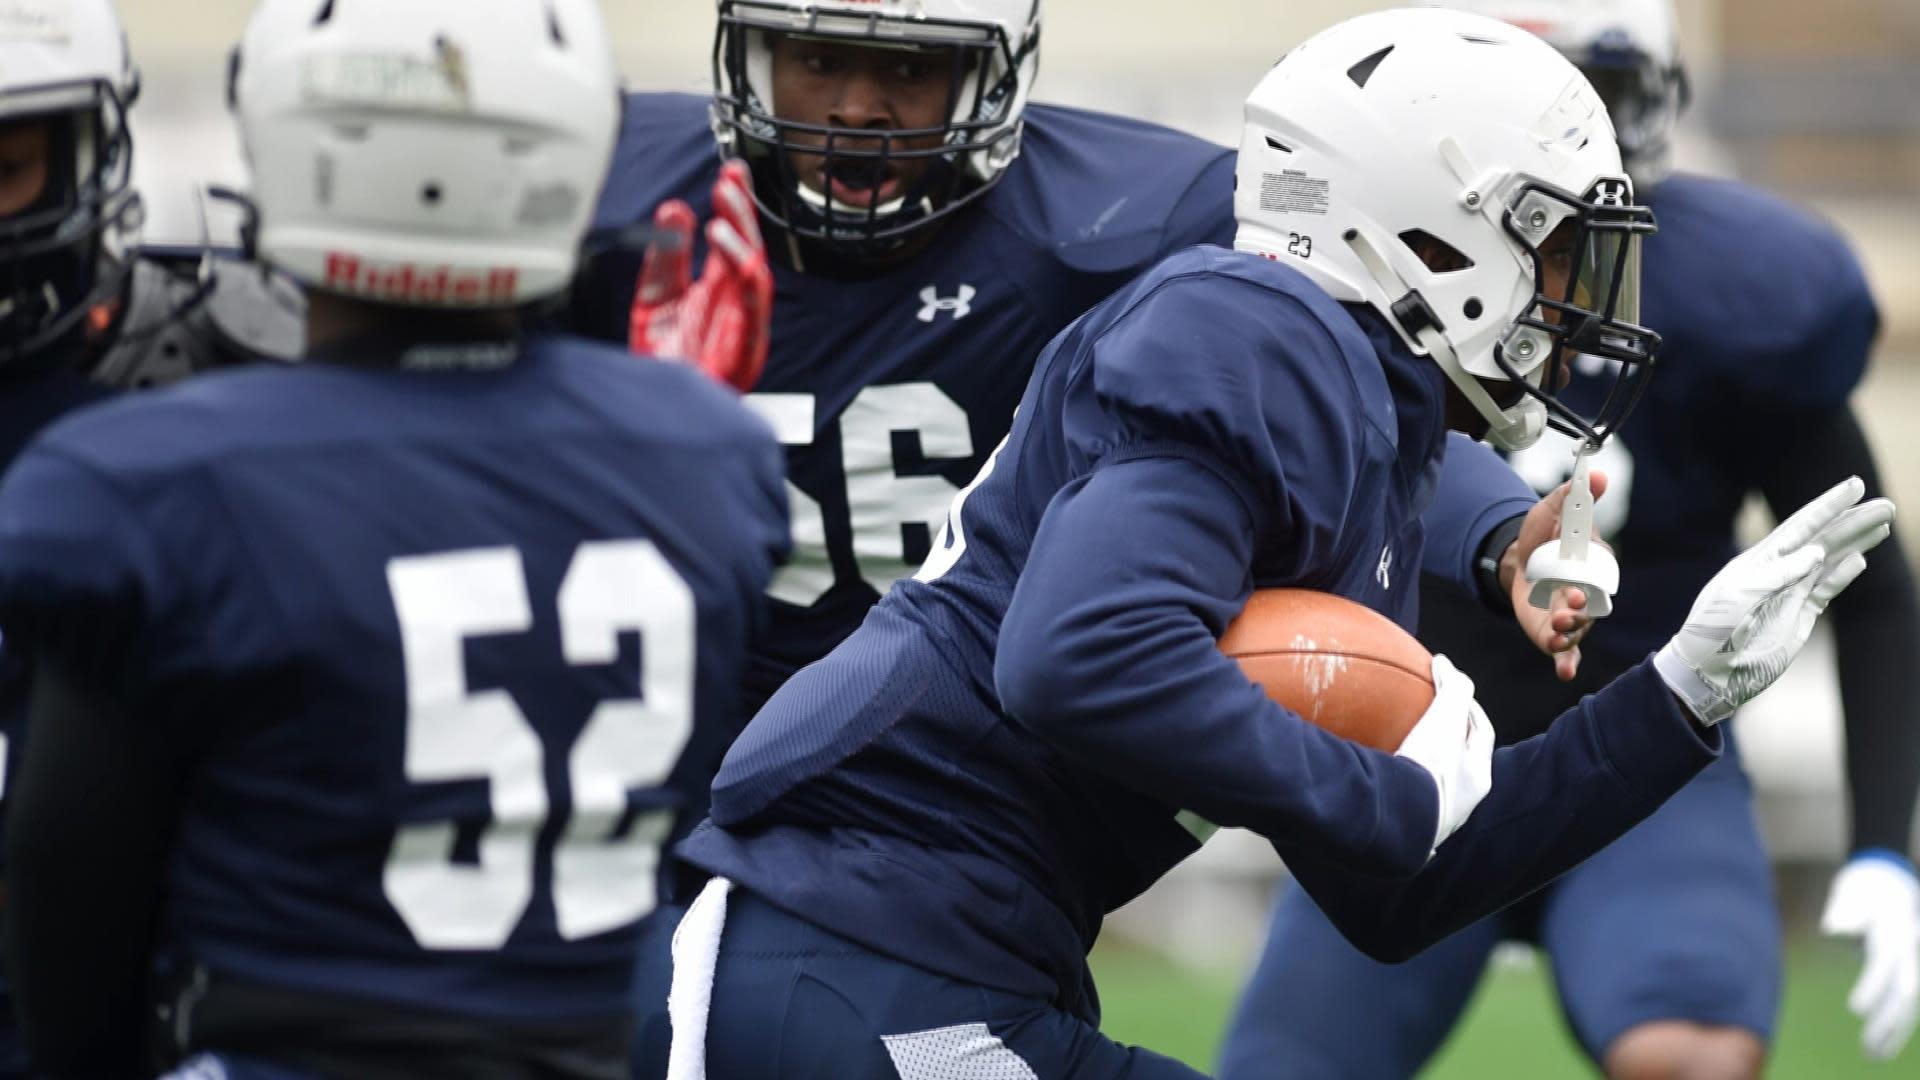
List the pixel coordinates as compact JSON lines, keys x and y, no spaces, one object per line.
{"x":1674,"y":921}
{"x":794,"y":1002}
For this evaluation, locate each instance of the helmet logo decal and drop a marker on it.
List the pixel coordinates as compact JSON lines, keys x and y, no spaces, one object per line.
{"x":390,"y":80}
{"x":406,"y":283}
{"x":453,"y":67}
{"x":932,"y":303}
{"x":1568,"y":122}
{"x":38,"y":21}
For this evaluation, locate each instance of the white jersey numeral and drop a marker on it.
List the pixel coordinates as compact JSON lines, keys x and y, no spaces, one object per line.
{"x":880,"y":502}
{"x":600,"y":881}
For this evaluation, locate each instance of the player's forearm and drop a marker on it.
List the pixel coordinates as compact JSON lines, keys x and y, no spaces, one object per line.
{"x":1108,"y":651}
{"x":86,"y":846}
{"x":1477,"y":494}
{"x":1556,"y":799}
{"x":1876,"y":626}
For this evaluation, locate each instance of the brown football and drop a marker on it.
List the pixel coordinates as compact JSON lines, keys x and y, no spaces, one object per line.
{"x":1340,"y":665}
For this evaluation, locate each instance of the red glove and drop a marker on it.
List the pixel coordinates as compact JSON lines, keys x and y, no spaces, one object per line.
{"x":722,"y":321}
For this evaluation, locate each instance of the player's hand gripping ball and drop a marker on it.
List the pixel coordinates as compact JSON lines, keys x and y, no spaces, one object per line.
{"x":722,"y":322}
{"x":1340,"y":665}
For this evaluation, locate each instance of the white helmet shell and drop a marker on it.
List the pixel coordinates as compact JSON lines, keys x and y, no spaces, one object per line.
{"x":56,"y":50}
{"x":1629,"y":49}
{"x":436,"y":153}
{"x":1410,"y":126}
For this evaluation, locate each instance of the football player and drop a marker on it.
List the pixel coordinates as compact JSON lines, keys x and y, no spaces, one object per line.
{"x":1666,"y":948}
{"x":931,"y":231}
{"x":83,"y":310}
{"x":365,"y":689}
{"x":926,"y":828}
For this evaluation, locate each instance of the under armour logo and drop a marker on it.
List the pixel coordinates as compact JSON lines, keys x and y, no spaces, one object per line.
{"x":933,"y":303}
{"x":1383,"y":574}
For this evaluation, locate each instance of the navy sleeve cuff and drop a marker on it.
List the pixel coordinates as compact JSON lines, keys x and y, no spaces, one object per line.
{"x":1650,"y":742}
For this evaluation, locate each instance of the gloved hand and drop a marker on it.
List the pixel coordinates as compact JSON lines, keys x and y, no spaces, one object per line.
{"x":721,"y":322}
{"x":1754,"y":617}
{"x":1453,"y":741}
{"x":1876,"y":898}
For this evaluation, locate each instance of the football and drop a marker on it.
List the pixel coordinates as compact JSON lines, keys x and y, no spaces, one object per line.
{"x":1342,"y":666}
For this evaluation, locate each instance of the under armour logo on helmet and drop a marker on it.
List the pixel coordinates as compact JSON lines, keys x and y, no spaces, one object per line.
{"x":933,"y":303}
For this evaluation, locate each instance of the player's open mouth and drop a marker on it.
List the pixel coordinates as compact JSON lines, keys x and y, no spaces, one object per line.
{"x":861,"y":184}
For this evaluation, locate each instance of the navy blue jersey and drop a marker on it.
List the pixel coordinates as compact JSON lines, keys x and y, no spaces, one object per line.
{"x":453,"y":635}
{"x":891,"y":385}
{"x":1039,"y":724}
{"x":27,"y":406}
{"x":1766,"y":319}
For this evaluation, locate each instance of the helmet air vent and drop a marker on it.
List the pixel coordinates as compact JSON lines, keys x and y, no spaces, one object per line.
{"x":324,"y":15}
{"x":1438,"y":255}
{"x":1363,"y":70}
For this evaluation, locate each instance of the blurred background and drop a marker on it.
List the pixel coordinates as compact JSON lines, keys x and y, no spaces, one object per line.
{"x":1818,"y":101}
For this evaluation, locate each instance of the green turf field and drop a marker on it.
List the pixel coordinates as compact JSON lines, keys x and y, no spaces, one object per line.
{"x":1512,"y":1029}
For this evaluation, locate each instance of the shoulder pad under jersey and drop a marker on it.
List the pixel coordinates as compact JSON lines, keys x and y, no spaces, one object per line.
{"x":193,"y":310}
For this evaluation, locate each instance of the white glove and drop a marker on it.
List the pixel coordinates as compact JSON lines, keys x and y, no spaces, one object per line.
{"x":1876,"y":898}
{"x":1454,"y":742}
{"x":1755,"y":615}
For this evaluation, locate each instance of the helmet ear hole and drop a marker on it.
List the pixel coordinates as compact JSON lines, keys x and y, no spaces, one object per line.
{"x":1473,"y":309}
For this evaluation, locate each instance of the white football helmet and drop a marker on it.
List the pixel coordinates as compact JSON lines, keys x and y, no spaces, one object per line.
{"x":68,"y":255}
{"x":994,"y":49}
{"x":1416,"y":131}
{"x":1629,"y":50}
{"x":436,"y":153}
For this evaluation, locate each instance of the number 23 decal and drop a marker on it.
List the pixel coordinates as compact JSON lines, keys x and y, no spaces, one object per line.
{"x":1300,"y":244}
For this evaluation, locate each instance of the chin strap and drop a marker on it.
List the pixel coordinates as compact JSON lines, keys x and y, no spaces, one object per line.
{"x":1508,"y":429}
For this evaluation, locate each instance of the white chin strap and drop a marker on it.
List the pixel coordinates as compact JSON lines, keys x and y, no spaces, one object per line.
{"x":827,"y":205}
{"x":1509,"y":429}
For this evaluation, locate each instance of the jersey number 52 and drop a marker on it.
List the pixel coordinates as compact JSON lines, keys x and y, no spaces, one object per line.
{"x":603,"y":877}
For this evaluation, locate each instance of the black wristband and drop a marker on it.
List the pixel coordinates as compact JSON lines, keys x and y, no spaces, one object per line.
{"x":1487,"y":564}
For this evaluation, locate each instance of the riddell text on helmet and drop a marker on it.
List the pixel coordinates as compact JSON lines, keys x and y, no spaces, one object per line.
{"x":405,"y":283}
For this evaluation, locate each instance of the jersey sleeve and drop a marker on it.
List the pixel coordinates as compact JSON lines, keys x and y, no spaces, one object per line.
{"x":1204,"y":214}
{"x":1557,"y":799}
{"x":1876,"y":629}
{"x":80,"y":577}
{"x":1477,"y":492}
{"x":1108,"y":652}
{"x":1822,"y":354}
{"x":1246,"y":378}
